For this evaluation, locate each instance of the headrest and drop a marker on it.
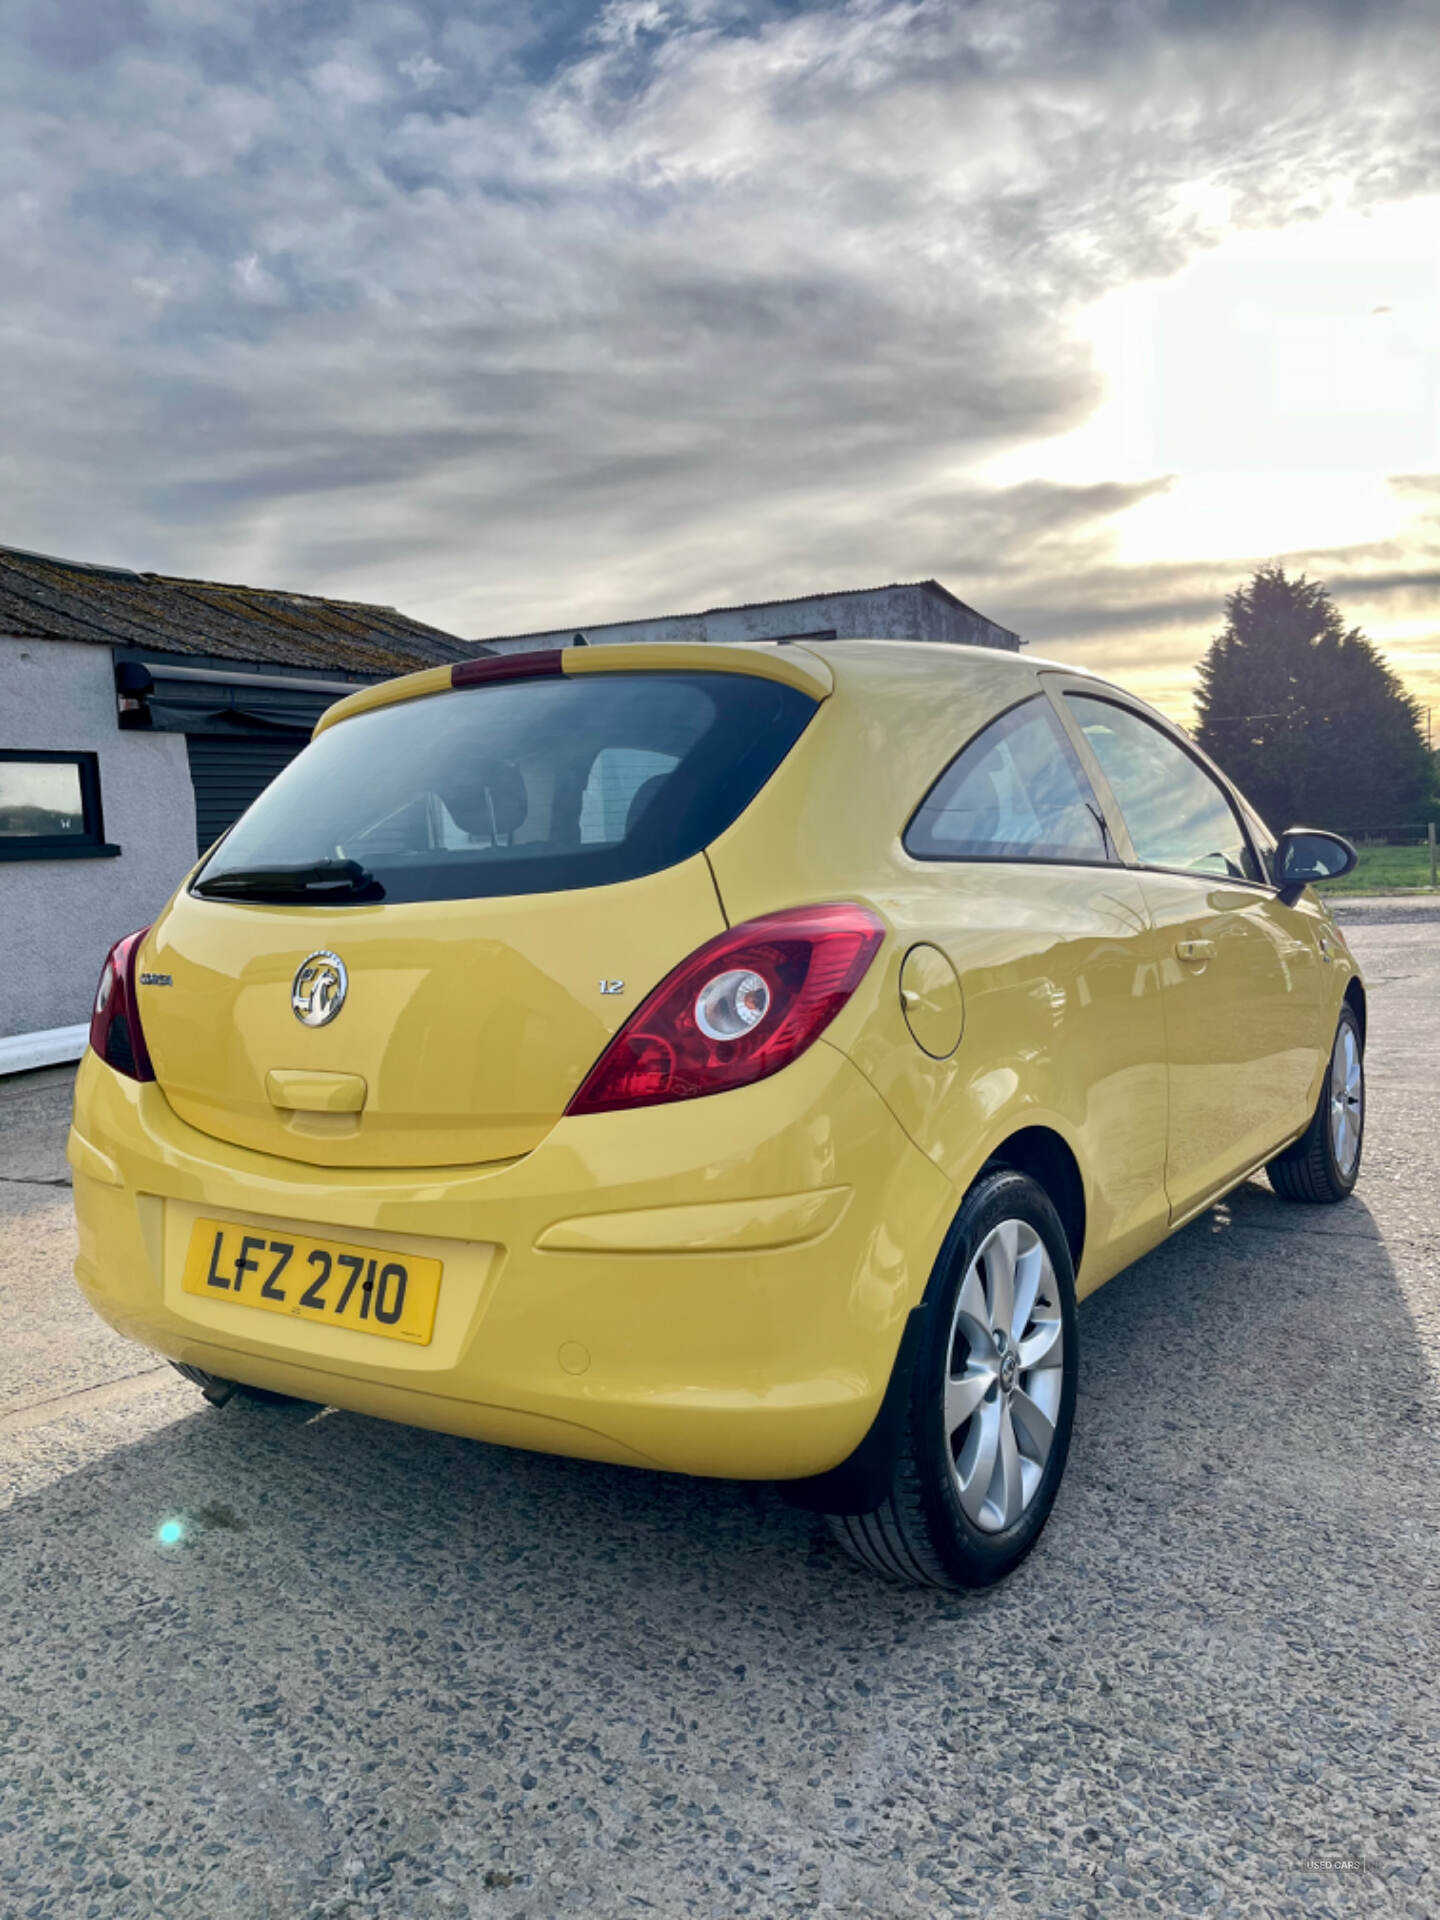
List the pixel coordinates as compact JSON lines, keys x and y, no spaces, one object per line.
{"x":486,"y":798}
{"x":641,"y":799}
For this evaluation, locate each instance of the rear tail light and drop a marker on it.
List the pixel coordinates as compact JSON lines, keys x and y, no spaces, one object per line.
{"x":739,"y":1009}
{"x":115,"y":1032}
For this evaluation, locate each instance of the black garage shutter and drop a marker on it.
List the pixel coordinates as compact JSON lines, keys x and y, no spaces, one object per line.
{"x":228,"y":771}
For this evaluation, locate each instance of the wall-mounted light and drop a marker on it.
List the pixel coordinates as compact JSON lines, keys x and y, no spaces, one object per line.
{"x":134,"y":685}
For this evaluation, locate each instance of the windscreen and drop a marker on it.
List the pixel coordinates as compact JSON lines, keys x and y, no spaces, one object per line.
{"x":526,"y":786}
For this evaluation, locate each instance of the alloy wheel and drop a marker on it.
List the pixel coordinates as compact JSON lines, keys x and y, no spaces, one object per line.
{"x":1004,"y":1376}
{"x":1347,"y":1098}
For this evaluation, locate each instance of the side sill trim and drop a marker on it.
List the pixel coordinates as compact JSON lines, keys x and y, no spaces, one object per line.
{"x":1227,"y":1186}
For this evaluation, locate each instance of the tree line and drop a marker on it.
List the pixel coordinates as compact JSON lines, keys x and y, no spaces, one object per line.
{"x":1306,"y":717}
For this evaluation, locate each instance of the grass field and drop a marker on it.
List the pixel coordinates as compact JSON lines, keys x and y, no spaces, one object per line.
{"x":1382,"y":867}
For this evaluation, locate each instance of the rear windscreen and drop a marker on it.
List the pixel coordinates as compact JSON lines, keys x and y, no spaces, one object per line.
{"x":528,"y":786}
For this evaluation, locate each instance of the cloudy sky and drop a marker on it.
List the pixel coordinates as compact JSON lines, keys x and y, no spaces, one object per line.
{"x":526,"y":314}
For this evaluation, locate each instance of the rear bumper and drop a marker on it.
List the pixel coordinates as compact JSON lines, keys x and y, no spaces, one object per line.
{"x":716,"y":1287}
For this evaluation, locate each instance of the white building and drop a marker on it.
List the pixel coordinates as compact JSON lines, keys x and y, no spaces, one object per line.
{"x":139,"y":716}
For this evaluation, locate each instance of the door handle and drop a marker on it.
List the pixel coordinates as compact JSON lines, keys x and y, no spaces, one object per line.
{"x":1196,"y":952}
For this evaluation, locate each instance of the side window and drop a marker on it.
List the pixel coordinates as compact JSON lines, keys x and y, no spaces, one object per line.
{"x":1178,"y":817}
{"x":1017,"y":792}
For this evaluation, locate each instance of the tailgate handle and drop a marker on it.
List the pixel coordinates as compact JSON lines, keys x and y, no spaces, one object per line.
{"x":297,"y":1091}
{"x":1197,"y":952}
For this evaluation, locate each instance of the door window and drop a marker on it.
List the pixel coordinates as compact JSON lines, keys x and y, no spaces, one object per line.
{"x":1177,"y":815}
{"x":1017,"y":792}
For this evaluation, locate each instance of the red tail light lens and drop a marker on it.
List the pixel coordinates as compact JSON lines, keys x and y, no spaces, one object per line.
{"x":115,"y":1032}
{"x":739,"y":1009}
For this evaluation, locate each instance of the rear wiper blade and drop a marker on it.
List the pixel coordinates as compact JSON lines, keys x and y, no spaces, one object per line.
{"x":329,"y":876}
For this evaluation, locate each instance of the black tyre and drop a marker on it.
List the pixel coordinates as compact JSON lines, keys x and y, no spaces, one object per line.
{"x":1324,"y":1163}
{"x":991,"y":1399}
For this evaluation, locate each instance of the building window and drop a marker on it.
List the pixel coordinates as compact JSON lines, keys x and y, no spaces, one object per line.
{"x":50,"y":807}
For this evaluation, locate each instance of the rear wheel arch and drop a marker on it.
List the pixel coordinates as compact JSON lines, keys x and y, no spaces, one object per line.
{"x":1049,"y":1160}
{"x":857,"y":1484}
{"x":924,"y":1507}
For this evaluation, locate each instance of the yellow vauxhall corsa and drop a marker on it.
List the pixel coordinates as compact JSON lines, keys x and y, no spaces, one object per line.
{"x":732,"y":1060}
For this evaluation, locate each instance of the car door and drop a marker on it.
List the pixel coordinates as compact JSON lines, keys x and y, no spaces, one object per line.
{"x":1239,"y":971}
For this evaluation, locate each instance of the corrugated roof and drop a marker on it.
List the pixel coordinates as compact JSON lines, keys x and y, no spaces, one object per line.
{"x":43,"y":598}
{"x":755,"y":606}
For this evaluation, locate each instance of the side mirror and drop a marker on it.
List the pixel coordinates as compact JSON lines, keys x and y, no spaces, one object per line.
{"x":1306,"y":854}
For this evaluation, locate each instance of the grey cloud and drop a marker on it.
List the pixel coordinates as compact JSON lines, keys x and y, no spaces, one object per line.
{"x":625,"y":309}
{"x":74,"y":38}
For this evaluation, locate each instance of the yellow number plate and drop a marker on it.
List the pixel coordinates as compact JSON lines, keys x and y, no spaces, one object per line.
{"x":361,"y":1287}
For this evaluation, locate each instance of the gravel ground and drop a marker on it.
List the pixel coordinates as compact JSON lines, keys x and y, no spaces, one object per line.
{"x":386,"y":1673}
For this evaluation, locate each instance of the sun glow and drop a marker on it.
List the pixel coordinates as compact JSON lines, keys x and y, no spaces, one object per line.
{"x":1280,"y":380}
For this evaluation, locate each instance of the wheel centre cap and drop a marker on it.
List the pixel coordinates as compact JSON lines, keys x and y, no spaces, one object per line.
{"x":1009,"y":1368}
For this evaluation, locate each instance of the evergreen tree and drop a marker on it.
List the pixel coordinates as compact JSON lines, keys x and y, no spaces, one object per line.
{"x":1305,"y":716}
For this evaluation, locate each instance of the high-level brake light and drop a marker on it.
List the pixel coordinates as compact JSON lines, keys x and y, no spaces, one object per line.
{"x":542,"y":664}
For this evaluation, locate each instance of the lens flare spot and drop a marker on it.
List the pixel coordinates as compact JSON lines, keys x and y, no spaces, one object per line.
{"x":170,"y":1533}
